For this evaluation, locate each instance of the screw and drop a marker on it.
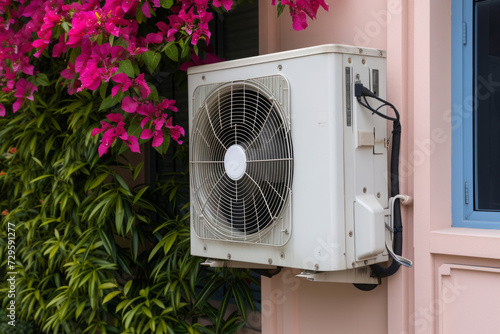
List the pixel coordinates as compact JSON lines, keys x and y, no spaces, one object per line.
{"x":270,"y":261}
{"x":364,"y":190}
{"x":316,"y":267}
{"x":229,"y":256}
{"x":350,"y":233}
{"x":363,"y":61}
{"x":203,"y":77}
{"x":282,"y":255}
{"x":205,"y":248}
{"x":349,"y":60}
{"x":280,"y":67}
{"x":378,"y":195}
{"x":360,"y":50}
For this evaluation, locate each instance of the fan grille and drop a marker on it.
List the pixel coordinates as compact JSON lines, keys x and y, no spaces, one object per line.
{"x":242,"y":162}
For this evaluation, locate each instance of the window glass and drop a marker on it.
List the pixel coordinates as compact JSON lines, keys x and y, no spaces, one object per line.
{"x":487,"y":105}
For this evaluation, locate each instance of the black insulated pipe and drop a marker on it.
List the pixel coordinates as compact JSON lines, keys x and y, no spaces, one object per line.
{"x":377,"y":269}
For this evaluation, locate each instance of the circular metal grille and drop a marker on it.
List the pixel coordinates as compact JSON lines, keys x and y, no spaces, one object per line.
{"x":241,"y":162}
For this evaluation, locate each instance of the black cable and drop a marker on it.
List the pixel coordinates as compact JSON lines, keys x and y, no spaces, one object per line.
{"x":378,"y":270}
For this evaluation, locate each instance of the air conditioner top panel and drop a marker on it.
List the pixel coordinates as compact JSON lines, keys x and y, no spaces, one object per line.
{"x":327,"y":48}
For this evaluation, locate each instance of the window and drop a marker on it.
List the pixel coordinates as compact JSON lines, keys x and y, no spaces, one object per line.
{"x":476,"y":113}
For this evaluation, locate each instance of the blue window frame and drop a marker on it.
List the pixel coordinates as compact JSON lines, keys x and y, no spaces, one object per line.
{"x":475,"y":128}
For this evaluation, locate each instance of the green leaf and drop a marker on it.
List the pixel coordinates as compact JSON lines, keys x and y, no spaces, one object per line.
{"x":102,"y":89}
{"x":185,"y":50}
{"x":171,"y":51}
{"x":66,"y":26}
{"x":163,"y":148}
{"x":98,"y":180}
{"x":280,"y":8}
{"x":119,"y":214}
{"x":109,"y":102}
{"x":137,"y":170}
{"x":110,"y":296}
{"x":151,"y":59}
{"x":42,"y":79}
{"x":139,"y":194}
{"x":167,"y":3}
{"x":146,"y":311}
{"x":127,"y":286}
{"x":127,"y":68}
{"x":40,"y":178}
{"x":123,"y":184}
{"x":107,"y":286}
{"x":80,"y":308}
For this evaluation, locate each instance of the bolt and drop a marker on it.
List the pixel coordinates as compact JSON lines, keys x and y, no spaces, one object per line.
{"x":282,"y":255}
{"x":229,"y":256}
{"x":203,"y":78}
{"x":205,"y":248}
{"x":378,"y":195}
{"x":363,"y":61}
{"x":270,"y":261}
{"x":280,"y":67}
{"x":350,"y":233}
{"x":364,"y":190}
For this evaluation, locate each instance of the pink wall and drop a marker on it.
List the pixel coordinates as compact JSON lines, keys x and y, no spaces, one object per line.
{"x":454,"y":286}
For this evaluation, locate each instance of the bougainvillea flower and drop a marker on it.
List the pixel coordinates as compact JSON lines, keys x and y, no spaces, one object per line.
{"x":175,"y":131}
{"x":24,"y":89}
{"x":69,"y":73}
{"x":123,"y":81}
{"x":112,"y":133}
{"x":226,"y":3}
{"x":157,"y":134}
{"x":143,"y":86}
{"x":129,"y":104}
{"x":154,"y":38}
{"x":2,"y":110}
{"x":195,"y":60}
{"x":203,"y":31}
{"x":105,"y":126}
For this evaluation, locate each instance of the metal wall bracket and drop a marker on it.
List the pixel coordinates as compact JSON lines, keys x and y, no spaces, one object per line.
{"x":358,"y":275}
{"x":214,"y":263}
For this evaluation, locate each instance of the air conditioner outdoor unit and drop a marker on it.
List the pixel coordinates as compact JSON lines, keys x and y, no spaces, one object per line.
{"x":286,"y":167}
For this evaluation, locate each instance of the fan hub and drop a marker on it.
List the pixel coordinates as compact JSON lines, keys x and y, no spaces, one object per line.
{"x":235,"y":162}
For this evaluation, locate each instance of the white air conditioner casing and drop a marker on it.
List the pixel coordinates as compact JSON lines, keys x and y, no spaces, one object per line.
{"x":321,"y":174}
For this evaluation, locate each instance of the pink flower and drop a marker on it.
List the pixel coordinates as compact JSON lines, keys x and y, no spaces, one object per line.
{"x":226,"y":3}
{"x":143,"y":86}
{"x":112,"y":133}
{"x":24,"y":89}
{"x":69,"y":73}
{"x":195,"y":60}
{"x":299,"y":9}
{"x":157,"y":134}
{"x":130,"y":104}
{"x":175,"y":131}
{"x":104,"y":126}
{"x":123,"y":81}
{"x":2,"y":110}
{"x":154,"y":38}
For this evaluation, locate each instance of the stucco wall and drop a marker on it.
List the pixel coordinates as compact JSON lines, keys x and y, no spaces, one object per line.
{"x":454,"y":285}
